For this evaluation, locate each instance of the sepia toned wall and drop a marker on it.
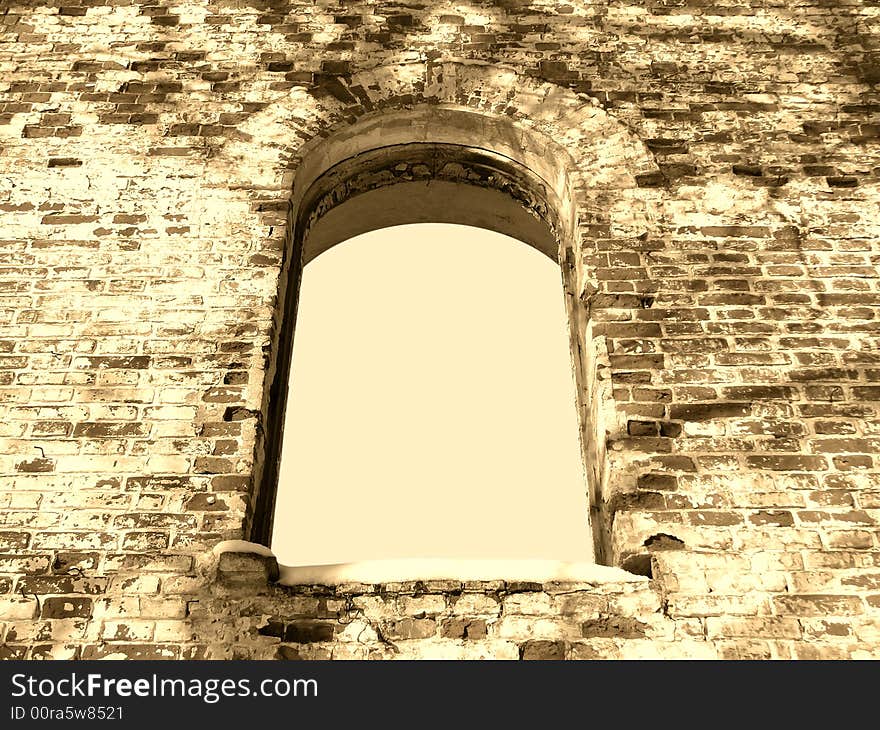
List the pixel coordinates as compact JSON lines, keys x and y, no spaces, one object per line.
{"x":718,"y":165}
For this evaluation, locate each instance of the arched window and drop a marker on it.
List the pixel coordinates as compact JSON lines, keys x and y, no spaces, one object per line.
{"x":372,"y":177}
{"x":431,"y":410}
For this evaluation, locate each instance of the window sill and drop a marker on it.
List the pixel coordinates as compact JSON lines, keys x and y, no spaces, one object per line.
{"x":372,"y":572}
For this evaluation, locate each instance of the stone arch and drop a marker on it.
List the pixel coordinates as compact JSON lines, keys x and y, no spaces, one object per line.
{"x":602,"y":156}
{"x":573,"y":159}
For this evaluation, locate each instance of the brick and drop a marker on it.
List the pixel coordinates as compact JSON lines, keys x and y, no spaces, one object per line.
{"x":542,"y":650}
{"x":817,"y":605}
{"x":779,"y":518}
{"x":611,"y":627}
{"x":746,"y":649}
{"x":14,"y":609}
{"x":39,"y":585}
{"x":303,"y":632}
{"x":787,"y":462}
{"x":709,"y":411}
{"x":101,"y":362}
{"x":763,"y":627}
{"x":66,"y":608}
{"x":64,"y":162}
{"x":11,"y":540}
{"x":116,"y":650}
{"x":410,"y":628}
{"x":459,"y":628}
{"x":109,"y":429}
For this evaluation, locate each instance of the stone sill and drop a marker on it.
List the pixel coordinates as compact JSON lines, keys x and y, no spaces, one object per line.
{"x":244,"y":562}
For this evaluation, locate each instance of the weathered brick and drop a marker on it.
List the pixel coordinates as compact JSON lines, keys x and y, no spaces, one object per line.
{"x":114,"y":650}
{"x":788,"y":462}
{"x":817,"y":605}
{"x":61,"y":584}
{"x":66,"y":608}
{"x":460,"y":628}
{"x":109,"y":429}
{"x":542,"y":650}
{"x":10,"y":540}
{"x":708,"y":411}
{"x":302,"y":632}
{"x":410,"y":628}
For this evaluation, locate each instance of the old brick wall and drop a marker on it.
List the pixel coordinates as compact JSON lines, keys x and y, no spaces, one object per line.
{"x":727,"y":212}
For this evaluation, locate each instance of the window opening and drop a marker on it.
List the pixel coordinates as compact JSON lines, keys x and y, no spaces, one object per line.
{"x":431,"y":410}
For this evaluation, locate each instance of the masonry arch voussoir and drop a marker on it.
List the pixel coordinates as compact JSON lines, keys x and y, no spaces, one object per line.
{"x":601,"y":151}
{"x":599,"y":158}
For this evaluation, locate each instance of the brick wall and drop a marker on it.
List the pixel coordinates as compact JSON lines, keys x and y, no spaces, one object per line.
{"x":725,"y":187}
